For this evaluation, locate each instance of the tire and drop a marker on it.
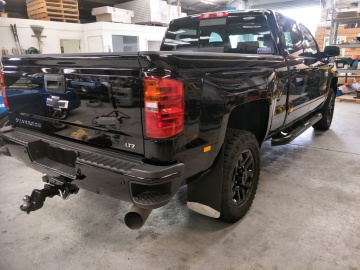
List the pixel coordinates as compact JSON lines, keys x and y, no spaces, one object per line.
{"x":241,"y":172}
{"x":327,"y":112}
{"x":61,"y":115}
{"x":4,"y":121}
{"x":57,"y":114}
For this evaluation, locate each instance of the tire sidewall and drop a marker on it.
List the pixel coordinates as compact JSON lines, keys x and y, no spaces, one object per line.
{"x":332,"y":107}
{"x":246,"y":141}
{"x":326,"y":120}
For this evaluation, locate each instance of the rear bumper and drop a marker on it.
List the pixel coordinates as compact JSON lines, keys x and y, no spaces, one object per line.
{"x":122,"y":176}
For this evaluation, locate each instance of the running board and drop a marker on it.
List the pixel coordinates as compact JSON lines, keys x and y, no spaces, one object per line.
{"x":281,"y":140}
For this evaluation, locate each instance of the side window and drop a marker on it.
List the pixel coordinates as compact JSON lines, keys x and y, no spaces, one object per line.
{"x":215,"y":37}
{"x":293,"y":38}
{"x":309,"y":42}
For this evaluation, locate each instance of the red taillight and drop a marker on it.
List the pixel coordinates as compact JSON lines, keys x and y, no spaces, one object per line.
{"x":164,"y":107}
{"x":3,"y":93}
{"x":210,"y":15}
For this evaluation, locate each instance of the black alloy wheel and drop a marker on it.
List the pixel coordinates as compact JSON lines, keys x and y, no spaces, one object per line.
{"x":241,"y":172}
{"x":243,"y":178}
{"x":327,"y":112}
{"x":330,"y":111}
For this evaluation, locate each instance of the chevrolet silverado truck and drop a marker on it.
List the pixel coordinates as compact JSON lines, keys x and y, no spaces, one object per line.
{"x":221,"y":84}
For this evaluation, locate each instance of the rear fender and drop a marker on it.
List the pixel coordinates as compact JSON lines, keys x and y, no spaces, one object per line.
{"x":253,"y":117}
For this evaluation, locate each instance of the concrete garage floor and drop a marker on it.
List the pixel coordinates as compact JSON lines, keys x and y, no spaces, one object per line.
{"x":306,"y":215}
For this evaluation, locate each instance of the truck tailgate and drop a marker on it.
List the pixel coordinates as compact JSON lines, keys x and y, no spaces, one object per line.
{"x":94,"y":98}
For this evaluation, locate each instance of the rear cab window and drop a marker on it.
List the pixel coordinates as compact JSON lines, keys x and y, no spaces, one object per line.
{"x":247,"y":33}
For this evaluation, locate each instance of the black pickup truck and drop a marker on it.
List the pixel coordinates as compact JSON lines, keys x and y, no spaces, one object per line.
{"x":196,"y":113}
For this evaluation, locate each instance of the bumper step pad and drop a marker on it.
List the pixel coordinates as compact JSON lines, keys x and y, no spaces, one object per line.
{"x":107,"y":162}
{"x":151,"y":198}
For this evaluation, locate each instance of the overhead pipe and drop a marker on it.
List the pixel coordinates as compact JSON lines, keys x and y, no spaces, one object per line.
{"x":136,"y":217}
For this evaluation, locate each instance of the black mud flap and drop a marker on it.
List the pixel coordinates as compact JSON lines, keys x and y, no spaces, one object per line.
{"x":204,"y":194}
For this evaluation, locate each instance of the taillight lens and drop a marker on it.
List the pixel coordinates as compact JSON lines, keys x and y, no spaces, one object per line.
{"x":3,"y":93}
{"x":164,"y":107}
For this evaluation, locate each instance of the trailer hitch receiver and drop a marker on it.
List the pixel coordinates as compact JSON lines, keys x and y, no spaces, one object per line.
{"x":54,"y":186}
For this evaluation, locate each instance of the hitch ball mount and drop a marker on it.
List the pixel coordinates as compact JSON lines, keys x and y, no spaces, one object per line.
{"x":60,"y":186}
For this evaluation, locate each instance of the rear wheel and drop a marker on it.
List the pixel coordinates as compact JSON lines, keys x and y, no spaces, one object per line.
{"x":57,"y":114}
{"x":240,"y":175}
{"x":327,"y":112}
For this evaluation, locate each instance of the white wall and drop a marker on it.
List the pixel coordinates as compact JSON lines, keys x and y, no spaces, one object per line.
{"x":55,"y":31}
{"x":107,"y":29}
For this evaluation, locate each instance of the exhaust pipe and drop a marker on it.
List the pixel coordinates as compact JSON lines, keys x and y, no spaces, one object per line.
{"x":136,"y":217}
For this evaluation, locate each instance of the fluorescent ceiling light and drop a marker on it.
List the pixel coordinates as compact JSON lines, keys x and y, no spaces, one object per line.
{"x":209,"y":2}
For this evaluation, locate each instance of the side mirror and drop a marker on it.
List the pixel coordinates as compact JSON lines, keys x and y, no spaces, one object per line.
{"x":332,"y":51}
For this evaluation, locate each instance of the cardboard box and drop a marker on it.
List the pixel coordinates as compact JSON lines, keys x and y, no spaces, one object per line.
{"x":111,"y":14}
{"x":102,"y":10}
{"x":342,"y":79}
{"x":346,"y":14}
{"x":112,"y":10}
{"x":113,"y":17}
{"x":150,"y":11}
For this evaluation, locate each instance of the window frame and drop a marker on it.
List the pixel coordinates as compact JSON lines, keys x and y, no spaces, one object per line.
{"x":301,"y":48}
{"x":206,"y":31}
{"x":303,"y":29}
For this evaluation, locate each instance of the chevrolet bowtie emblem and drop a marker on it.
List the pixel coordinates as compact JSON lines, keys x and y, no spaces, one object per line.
{"x":56,"y":103}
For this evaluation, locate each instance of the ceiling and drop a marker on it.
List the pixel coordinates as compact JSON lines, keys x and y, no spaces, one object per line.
{"x":17,"y":8}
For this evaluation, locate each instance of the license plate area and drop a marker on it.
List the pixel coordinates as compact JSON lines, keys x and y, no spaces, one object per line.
{"x":40,"y":149}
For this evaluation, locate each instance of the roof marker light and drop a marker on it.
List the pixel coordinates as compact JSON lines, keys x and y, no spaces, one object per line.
{"x":210,"y":15}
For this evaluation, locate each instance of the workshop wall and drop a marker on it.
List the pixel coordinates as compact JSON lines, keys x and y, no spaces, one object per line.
{"x":100,"y":32}
{"x":54,"y":32}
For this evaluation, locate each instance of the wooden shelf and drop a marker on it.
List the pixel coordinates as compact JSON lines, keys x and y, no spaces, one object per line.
{"x":348,"y":97}
{"x":341,"y":70}
{"x":348,"y":45}
{"x":347,"y":20}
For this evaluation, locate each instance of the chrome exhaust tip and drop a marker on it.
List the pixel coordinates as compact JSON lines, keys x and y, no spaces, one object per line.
{"x":136,"y":217}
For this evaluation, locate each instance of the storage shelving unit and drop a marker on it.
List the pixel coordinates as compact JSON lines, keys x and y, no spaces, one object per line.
{"x":347,"y":20}
{"x":349,"y":45}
